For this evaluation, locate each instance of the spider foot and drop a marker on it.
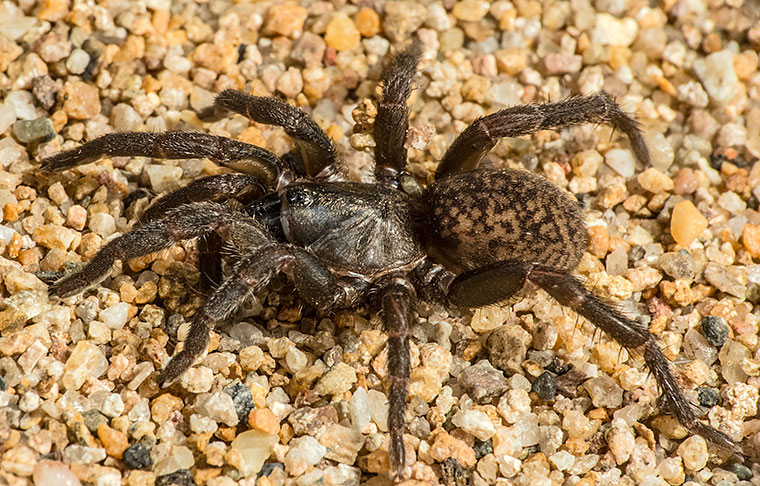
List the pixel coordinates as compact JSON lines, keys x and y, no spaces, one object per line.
{"x":399,"y":470}
{"x":68,"y":286}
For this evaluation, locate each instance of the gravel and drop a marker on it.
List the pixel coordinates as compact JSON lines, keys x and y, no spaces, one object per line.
{"x":678,"y":241}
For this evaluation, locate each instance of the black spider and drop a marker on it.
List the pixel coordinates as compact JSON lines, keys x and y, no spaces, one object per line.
{"x":471,"y":238}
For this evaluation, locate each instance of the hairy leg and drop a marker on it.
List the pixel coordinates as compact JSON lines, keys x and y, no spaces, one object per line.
{"x":312,"y":279}
{"x":475,"y":141}
{"x":396,"y":301}
{"x":315,"y":147}
{"x":572,"y":293}
{"x":392,"y":121}
{"x":212,"y":188}
{"x":186,"y":222}
{"x":235,"y":154}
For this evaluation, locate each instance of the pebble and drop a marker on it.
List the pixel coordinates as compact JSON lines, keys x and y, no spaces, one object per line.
{"x":342,"y":443}
{"x":218,"y":406}
{"x":114,"y":442}
{"x":368,"y":22}
{"x":22,"y":104}
{"x":715,"y":330}
{"x":677,"y":264}
{"x":717,"y":74}
{"x":445,"y":447}
{"x":604,"y":392}
{"x":686,"y":223}
{"x":474,"y":422}
{"x":655,"y":181}
{"x":719,"y":277}
{"x":612,"y":31}
{"x":482,"y":382}
{"x":751,"y":239}
{"x":86,"y":361}
{"x":82,"y":100}
{"x":39,"y":130}
{"x":304,"y":452}
{"x":163,"y":177}
{"x":556,"y":63}
{"x":693,"y":452}
{"x":342,"y":33}
{"x":402,"y":18}
{"x":53,"y":473}
{"x":545,"y":386}
{"x":179,"y":459}
{"x":78,"y":454}
{"x":285,"y":19}
{"x":197,"y":379}
{"x":137,"y":456}
{"x":243,"y":400}
{"x":621,"y":441}
{"x":77,"y":61}
{"x":124,"y":118}
{"x":708,"y":397}
{"x":336,"y":381}
{"x":470,"y":10}
{"x":488,"y":318}
{"x":115,"y":316}
{"x":621,"y":161}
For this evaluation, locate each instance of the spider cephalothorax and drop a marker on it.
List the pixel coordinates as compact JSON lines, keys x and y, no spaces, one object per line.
{"x":471,"y":238}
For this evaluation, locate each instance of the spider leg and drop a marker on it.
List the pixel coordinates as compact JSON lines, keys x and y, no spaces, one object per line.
{"x":570,"y":292}
{"x":312,"y":279}
{"x":397,"y":301}
{"x":186,"y":222}
{"x":392,"y":120}
{"x":314,"y":146}
{"x":235,"y":154}
{"x":218,"y":188}
{"x":475,"y":141}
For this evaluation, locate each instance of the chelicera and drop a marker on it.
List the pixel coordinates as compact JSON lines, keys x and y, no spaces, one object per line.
{"x":471,"y":238}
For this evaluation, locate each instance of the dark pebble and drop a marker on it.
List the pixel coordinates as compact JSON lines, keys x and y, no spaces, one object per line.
{"x":137,"y":456}
{"x":45,"y":90}
{"x":715,"y":330}
{"x":708,"y":397}
{"x":183,"y":477}
{"x":545,"y":386}
{"x":742,"y":472}
{"x":93,"y":418}
{"x":242,"y":398}
{"x":269,"y":467}
{"x":483,"y":448}
{"x":3,"y":384}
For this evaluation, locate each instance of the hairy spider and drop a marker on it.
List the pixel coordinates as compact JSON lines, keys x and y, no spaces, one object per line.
{"x":471,"y":238}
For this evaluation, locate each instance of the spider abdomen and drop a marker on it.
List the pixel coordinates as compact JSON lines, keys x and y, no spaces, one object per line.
{"x":364,"y":229}
{"x":488,"y":216}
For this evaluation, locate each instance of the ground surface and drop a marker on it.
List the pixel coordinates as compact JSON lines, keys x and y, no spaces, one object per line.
{"x":677,"y":243}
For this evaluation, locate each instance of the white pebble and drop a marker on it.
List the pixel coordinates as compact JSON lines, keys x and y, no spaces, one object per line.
{"x":476,"y":423}
{"x":22,"y":104}
{"x":125,"y":118}
{"x":218,"y":406}
{"x":7,"y":117}
{"x":621,"y":161}
{"x":163,"y":177}
{"x":77,"y":61}
{"x":718,"y":76}
{"x":54,"y":473}
{"x":358,"y":409}
{"x":102,"y":223}
{"x":254,"y":447}
{"x":115,"y":316}
{"x":304,"y":452}
{"x":180,"y":458}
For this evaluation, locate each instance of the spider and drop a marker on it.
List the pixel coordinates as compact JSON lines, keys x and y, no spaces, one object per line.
{"x":471,"y":238}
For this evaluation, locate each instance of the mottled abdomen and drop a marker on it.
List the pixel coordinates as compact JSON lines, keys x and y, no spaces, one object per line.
{"x":487,"y":216}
